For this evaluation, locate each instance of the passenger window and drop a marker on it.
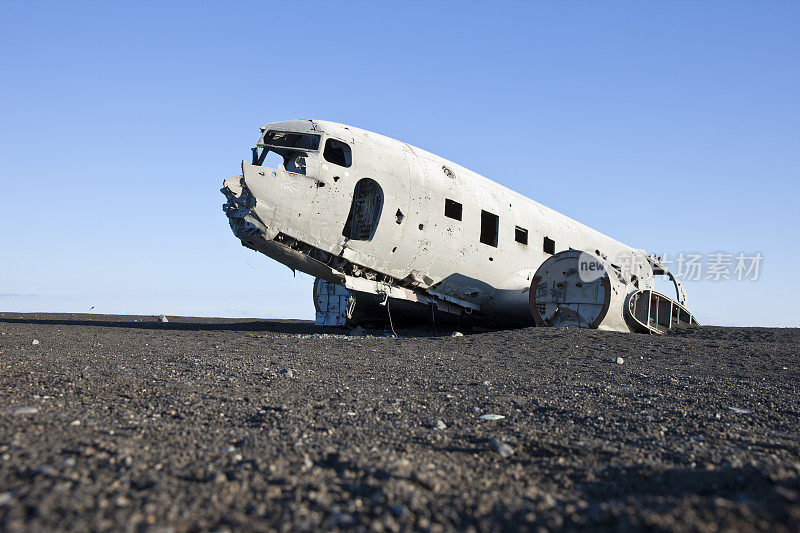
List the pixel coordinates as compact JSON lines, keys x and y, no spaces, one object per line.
{"x":365,"y":211}
{"x":452,"y":209}
{"x":549,"y":246}
{"x":489,"y":227}
{"x":338,"y":153}
{"x":520,"y":235}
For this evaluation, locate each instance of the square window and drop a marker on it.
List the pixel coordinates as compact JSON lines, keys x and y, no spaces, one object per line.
{"x":549,"y":246}
{"x":452,"y":209}
{"x":489,"y":226}
{"x":520,"y":235}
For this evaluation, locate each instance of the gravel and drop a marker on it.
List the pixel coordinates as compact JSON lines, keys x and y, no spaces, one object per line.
{"x":190,"y":425}
{"x":502,"y":449}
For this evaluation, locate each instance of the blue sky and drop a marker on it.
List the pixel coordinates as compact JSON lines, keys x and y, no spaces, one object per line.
{"x":671,"y":126}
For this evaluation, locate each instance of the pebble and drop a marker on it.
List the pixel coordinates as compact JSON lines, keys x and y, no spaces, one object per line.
{"x":620,"y":360}
{"x":740,"y":411}
{"x":46,"y":470}
{"x":457,"y":334}
{"x":35,"y":342}
{"x":287,"y":372}
{"x":24,"y":410}
{"x":6,"y":498}
{"x":398,"y":511}
{"x":163,"y":318}
{"x":502,"y":449}
{"x":75,"y":423}
{"x":490,"y":416}
{"x":440,"y":425}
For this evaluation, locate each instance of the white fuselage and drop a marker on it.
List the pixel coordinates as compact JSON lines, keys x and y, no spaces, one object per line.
{"x":477,"y":261}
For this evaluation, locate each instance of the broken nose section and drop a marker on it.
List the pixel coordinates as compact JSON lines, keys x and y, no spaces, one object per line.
{"x":239,"y":208}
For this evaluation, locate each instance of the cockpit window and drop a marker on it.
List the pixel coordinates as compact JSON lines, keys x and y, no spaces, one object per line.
{"x":291,"y":146}
{"x":338,"y":153}
{"x":290,"y":139}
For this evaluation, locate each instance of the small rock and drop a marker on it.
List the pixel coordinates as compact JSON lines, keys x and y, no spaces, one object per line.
{"x":357,"y":331}
{"x":548,"y":502}
{"x":502,"y":449}
{"x":398,"y":511}
{"x":75,"y":423}
{"x":162,"y":318}
{"x":740,"y":411}
{"x":227,"y":449}
{"x":457,"y":334}
{"x":620,"y":360}
{"x":6,"y":498}
{"x":24,"y":410}
{"x":440,"y":425}
{"x":287,"y":372}
{"x":490,"y":416}
{"x":34,"y":342}
{"x":45,"y":470}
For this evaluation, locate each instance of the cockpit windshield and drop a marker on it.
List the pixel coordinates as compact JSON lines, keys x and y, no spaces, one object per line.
{"x":291,"y":139}
{"x":290,"y":145}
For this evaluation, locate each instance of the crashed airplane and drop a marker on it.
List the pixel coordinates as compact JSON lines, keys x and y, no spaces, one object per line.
{"x":393,"y":232}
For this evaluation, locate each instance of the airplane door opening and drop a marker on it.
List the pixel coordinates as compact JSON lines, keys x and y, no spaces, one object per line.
{"x":365,"y":211}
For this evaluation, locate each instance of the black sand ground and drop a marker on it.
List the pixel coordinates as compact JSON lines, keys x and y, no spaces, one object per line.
{"x":201,"y":424}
